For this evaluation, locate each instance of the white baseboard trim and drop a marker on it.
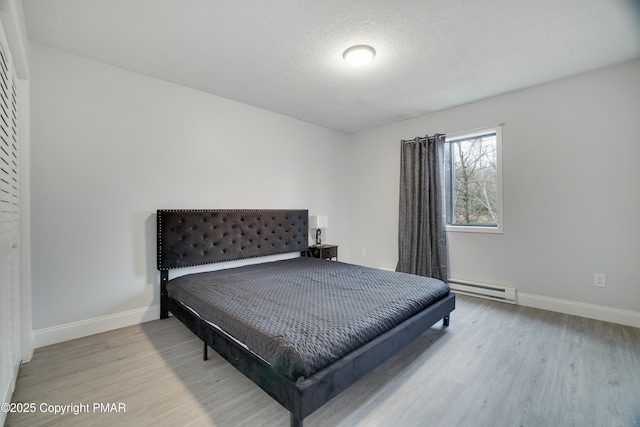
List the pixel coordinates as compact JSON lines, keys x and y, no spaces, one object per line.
{"x":8,"y":391}
{"x":591,"y":311}
{"x":70,"y":331}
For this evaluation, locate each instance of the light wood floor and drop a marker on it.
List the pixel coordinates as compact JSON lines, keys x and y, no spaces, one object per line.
{"x":496,"y":365}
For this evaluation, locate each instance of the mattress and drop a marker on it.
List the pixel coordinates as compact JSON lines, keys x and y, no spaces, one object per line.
{"x":302,"y":314}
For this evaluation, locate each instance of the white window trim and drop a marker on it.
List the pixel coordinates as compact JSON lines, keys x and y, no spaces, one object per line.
{"x":498,"y":229}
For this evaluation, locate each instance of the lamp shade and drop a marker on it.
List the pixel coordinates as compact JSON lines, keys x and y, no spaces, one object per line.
{"x":318,"y":221}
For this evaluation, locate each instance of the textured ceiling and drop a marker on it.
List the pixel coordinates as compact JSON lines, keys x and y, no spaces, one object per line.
{"x":286,"y":55}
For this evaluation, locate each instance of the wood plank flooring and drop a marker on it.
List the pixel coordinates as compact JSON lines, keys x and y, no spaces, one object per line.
{"x":496,"y":365}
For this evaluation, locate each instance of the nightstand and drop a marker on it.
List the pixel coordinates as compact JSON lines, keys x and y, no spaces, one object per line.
{"x":323,"y":251}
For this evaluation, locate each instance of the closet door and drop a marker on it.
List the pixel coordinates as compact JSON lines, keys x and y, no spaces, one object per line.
{"x":9,"y":232}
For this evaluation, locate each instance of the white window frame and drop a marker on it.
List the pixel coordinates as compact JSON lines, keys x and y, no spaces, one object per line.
{"x":498,"y":228}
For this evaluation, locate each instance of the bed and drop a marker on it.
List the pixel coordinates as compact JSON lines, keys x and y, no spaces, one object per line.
{"x":301,"y":328}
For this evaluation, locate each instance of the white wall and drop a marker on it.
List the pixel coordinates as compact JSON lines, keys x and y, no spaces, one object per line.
{"x":109,"y":147}
{"x":571,"y":190}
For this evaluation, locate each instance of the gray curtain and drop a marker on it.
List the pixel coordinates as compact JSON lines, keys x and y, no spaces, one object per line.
{"x":422,"y":239}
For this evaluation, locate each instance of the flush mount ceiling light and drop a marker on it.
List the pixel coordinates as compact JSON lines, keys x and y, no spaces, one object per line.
{"x":359,"y":55}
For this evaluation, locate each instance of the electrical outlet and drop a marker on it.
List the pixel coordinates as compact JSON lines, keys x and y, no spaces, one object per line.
{"x":364,"y":252}
{"x":600,"y":280}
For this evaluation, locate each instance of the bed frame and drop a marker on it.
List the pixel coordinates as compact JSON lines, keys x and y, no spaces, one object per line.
{"x":195,"y":237}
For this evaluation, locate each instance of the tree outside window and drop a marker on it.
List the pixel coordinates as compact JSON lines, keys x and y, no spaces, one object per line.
{"x":473,"y":181}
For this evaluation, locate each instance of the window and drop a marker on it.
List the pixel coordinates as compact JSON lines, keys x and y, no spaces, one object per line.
{"x":473,"y":179}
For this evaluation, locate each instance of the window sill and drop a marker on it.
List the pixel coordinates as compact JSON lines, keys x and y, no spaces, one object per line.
{"x":473,"y":229}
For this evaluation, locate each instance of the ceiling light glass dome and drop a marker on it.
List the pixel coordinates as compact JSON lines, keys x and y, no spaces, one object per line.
{"x":359,"y":55}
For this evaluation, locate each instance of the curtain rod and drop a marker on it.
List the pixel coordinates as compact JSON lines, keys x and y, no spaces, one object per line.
{"x":405,"y":141}
{"x":420,"y":138}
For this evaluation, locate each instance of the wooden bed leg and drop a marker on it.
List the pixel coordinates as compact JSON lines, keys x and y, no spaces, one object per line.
{"x":295,"y":422}
{"x":205,"y":352}
{"x":445,"y":320}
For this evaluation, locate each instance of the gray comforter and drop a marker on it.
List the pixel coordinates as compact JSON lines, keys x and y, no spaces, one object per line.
{"x":302,"y":314}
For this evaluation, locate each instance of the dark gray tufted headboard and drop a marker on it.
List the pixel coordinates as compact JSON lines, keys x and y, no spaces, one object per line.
{"x":194,"y":237}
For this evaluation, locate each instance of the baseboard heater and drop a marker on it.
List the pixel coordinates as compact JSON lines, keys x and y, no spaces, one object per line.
{"x":494,"y":292}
